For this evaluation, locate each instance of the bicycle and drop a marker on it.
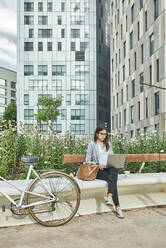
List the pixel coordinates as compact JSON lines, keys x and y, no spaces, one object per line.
{"x":52,"y":198}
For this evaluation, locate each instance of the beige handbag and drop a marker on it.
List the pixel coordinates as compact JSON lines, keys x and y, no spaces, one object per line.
{"x":88,"y":172}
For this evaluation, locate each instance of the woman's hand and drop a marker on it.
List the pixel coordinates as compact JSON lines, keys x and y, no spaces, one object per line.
{"x":101,"y":166}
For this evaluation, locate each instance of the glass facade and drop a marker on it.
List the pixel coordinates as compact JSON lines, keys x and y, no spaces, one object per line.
{"x":78,"y":67}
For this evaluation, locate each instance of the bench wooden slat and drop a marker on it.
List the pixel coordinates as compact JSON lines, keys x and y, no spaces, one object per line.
{"x":152,"y":157}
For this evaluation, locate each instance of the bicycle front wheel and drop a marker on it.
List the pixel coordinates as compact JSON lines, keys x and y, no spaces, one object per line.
{"x":55,"y":199}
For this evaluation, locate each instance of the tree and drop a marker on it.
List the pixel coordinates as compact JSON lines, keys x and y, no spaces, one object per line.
{"x":48,"y":110}
{"x":10,"y":112}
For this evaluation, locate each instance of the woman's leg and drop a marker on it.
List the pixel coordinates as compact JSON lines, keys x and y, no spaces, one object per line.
{"x":110,"y":175}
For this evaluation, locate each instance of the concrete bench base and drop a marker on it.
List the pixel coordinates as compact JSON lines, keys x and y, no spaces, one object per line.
{"x":137,"y":191}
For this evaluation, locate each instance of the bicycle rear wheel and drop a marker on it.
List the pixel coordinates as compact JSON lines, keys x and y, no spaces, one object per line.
{"x":63,"y":195}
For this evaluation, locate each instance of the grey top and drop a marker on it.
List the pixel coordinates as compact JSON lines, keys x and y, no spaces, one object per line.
{"x":95,"y":155}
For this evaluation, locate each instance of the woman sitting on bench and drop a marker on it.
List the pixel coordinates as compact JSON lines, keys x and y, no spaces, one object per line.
{"x":97,"y":153}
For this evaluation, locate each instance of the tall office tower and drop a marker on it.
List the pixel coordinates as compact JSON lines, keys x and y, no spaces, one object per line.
{"x":63,"y":50}
{"x":7,"y":88}
{"x":138,"y":66}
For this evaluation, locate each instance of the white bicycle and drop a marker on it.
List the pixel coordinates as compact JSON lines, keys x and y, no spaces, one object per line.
{"x":52,"y":198}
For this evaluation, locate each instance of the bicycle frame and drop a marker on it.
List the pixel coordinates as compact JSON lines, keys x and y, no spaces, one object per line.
{"x":25,"y":191}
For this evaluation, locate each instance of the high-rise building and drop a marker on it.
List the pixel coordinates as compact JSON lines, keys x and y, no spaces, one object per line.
{"x":64,"y":50}
{"x":7,"y":88}
{"x":138,"y":66}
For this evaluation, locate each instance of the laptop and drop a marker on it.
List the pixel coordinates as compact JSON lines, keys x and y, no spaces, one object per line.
{"x":116,"y":160}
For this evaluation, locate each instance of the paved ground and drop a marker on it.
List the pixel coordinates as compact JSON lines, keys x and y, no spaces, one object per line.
{"x":145,"y":228}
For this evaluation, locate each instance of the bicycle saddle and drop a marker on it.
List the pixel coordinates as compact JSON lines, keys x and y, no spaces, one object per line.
{"x":30,"y":159}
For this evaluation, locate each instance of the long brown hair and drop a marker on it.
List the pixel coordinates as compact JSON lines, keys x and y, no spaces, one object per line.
{"x":99,"y":129}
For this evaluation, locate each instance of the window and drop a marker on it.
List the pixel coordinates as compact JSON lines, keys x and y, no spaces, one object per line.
{"x":78,"y":128}
{"x":75,"y":33}
{"x":28,"y":46}
{"x":142,"y":53}
{"x":59,"y":46}
{"x":113,"y":124}
{"x":44,"y":33}
{"x":123,"y":6}
{"x":40,"y":7}
{"x":141,"y":4}
{"x":62,"y":7}
{"x":38,"y":85}
{"x":49,"y":46}
{"x":59,"y":20}
{"x":42,"y":20}
{"x":74,"y":7}
{"x":138,"y":33}
{"x":72,"y":46}
{"x":58,"y":128}
{"x":150,"y":74}
{"x":127,"y":93}
{"x":13,"y":93}
{"x":135,"y":61}
{"x":41,"y":96}
{"x":82,"y":99}
{"x":131,"y":134}
{"x":77,"y":85}
{"x":28,"y":114}
{"x":126,"y":23}
{"x":151,"y":45}
{"x":62,"y":33}
{"x":58,"y":70}
{"x":13,"y":85}
{"x":40,"y":46}
{"x":141,"y":82}
{"x":157,"y":71}
{"x":139,"y":111}
{"x":123,"y":72}
{"x":131,"y":40}
{"x":57,"y":85}
{"x":146,"y":21}
{"x":84,"y":46}
{"x":77,"y":20}
{"x":156,"y":96}
{"x":31,"y":33}
{"x":146,"y":107}
{"x":77,"y":114}
{"x":28,"y":6}
{"x":132,"y":114}
{"x":68,"y":99}
{"x":28,"y":70}
{"x":124,"y":117}
{"x":49,"y":7}
{"x":81,"y":70}
{"x":132,"y":13}
{"x":80,"y":56}
{"x":156,"y":9}
{"x":133,"y":88}
{"x":26,"y":99}
{"x":129,"y":67}
{"x":42,"y":70}
{"x":121,"y":28}
{"x":117,"y":100}
{"x":28,"y":20}
{"x":119,"y":119}
{"x":63,"y":114}
{"x":124,"y":49}
{"x":121,"y":96}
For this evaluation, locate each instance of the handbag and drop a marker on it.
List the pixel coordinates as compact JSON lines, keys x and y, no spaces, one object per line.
{"x":88,"y":172}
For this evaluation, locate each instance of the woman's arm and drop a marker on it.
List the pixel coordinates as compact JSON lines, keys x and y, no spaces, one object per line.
{"x":89,"y":154}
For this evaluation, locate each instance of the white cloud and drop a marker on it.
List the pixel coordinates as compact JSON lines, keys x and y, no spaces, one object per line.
{"x":8,"y":34}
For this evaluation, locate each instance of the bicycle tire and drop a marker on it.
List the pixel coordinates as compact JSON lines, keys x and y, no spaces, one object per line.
{"x":67,"y":202}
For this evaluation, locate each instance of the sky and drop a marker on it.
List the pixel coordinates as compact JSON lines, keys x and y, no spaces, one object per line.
{"x":8,"y":34}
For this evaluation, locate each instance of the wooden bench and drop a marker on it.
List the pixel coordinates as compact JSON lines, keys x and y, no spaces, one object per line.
{"x":80,"y":158}
{"x":138,"y":190}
